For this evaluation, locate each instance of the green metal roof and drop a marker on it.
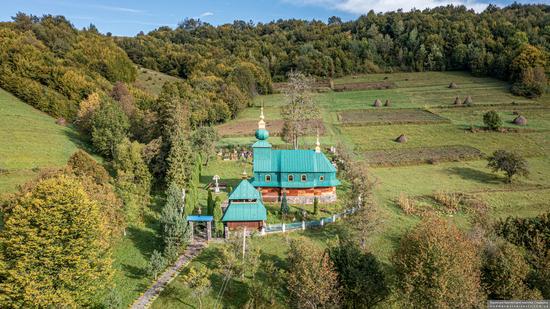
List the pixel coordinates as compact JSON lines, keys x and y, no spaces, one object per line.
{"x":245,"y":191}
{"x":294,"y":161}
{"x":261,"y":144}
{"x":254,"y":211}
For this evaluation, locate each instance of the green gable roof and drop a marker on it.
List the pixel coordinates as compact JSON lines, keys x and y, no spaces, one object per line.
{"x":245,"y":191}
{"x":236,"y":211}
{"x":293,"y":161}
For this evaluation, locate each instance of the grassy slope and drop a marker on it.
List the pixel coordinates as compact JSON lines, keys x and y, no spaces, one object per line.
{"x":30,"y":140}
{"x":527,"y":197}
{"x":152,"y":81}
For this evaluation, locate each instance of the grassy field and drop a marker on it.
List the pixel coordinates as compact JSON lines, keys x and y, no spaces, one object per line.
{"x":422,"y":109}
{"x":30,"y":140}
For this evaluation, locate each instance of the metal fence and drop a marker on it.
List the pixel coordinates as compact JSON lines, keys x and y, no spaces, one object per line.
{"x":302,"y":225}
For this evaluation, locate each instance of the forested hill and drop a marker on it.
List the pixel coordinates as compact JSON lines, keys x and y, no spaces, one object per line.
{"x":49,"y":64}
{"x":509,"y":43}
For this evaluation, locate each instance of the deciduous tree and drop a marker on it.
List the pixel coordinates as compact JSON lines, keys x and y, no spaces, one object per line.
{"x":51,"y":248}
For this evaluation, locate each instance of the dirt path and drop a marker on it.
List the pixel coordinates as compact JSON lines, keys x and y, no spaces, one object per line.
{"x":171,"y":272}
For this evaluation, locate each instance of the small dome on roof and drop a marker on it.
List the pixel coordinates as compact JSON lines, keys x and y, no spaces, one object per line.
{"x":262,"y":134}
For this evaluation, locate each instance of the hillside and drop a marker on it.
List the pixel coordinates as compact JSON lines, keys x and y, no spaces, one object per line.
{"x":30,"y":140}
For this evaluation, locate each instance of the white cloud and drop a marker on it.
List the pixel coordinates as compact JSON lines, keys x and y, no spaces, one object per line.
{"x":364,"y":6}
{"x":118,"y":9}
{"x":206,"y":14}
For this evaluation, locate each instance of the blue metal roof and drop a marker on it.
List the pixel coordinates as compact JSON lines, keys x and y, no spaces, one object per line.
{"x":236,"y":211}
{"x":199,"y":218}
{"x":244,"y":191}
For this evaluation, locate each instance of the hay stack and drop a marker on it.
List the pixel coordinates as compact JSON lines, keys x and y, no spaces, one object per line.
{"x":520,"y":121}
{"x":377,"y":103}
{"x":457,"y":101}
{"x":453,"y":85}
{"x":401,"y":139}
{"x":61,"y":121}
{"x":388,"y":103}
{"x":468,"y":101}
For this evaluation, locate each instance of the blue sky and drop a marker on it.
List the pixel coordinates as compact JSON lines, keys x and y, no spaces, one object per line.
{"x":126,"y":17}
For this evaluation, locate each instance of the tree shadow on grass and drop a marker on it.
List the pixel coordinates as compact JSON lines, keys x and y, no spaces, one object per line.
{"x":469,"y":173}
{"x":175,"y":295}
{"x":145,"y":240}
{"x":134,"y":272}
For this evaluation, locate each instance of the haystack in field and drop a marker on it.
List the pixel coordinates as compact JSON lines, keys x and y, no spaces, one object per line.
{"x":520,"y":121}
{"x":468,"y":101}
{"x":457,"y":101}
{"x":377,"y":103}
{"x":401,"y":139}
{"x":388,"y":103}
{"x":453,"y":85}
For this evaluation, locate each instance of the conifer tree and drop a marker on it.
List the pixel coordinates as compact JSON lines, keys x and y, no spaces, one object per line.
{"x":50,"y":248}
{"x":284,"y":205}
{"x":210,"y":204}
{"x":173,"y":222}
{"x":217,"y":213}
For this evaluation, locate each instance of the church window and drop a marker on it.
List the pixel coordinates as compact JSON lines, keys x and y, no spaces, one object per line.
{"x":267,"y":178}
{"x":304,"y":177}
{"x":321,"y":178}
{"x":290,"y":177}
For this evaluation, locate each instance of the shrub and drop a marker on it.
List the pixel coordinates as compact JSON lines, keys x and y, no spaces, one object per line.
{"x":406,"y":204}
{"x":156,"y":265}
{"x":450,"y":200}
{"x":492,"y":120}
{"x":508,"y":162}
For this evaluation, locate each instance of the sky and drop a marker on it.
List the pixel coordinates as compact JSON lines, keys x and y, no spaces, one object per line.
{"x":127,"y":17}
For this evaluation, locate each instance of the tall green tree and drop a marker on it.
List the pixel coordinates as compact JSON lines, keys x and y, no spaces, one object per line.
{"x":133,"y":178}
{"x":109,"y":127}
{"x":51,"y":249}
{"x":504,"y":273}
{"x":360,"y":274}
{"x":437,"y":267}
{"x":217,"y":213}
{"x":312,"y":279}
{"x":174,"y":228}
{"x":510,"y":163}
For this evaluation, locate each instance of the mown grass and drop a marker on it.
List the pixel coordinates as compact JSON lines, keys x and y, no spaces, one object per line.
{"x":30,"y":140}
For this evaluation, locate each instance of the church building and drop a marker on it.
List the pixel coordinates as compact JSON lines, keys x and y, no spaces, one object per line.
{"x":245,"y":208}
{"x":303,"y":174}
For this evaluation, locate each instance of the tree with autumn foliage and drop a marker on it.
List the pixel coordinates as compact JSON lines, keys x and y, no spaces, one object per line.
{"x":312,"y":277}
{"x":51,"y":248}
{"x":437,"y":267}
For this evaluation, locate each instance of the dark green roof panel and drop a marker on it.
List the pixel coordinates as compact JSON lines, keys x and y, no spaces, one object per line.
{"x":245,"y":212}
{"x":245,"y":191}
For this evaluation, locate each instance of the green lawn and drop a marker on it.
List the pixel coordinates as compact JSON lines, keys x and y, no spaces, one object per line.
{"x":30,"y":140}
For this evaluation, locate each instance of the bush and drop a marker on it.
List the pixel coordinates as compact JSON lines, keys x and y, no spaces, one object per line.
{"x":508,"y":162}
{"x":450,"y":200}
{"x":156,"y":265}
{"x":406,"y":204}
{"x":492,"y":120}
